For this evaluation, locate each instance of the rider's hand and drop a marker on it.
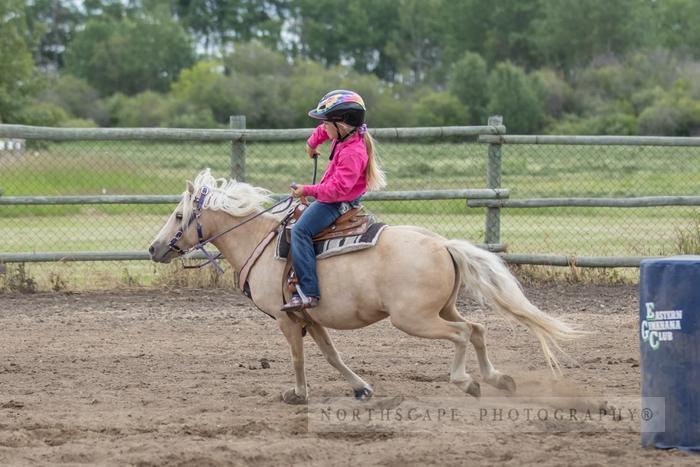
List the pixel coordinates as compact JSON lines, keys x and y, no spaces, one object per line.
{"x":311,"y":151}
{"x":297,"y":190}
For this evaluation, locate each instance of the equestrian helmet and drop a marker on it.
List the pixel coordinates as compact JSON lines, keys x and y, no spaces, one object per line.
{"x":340,"y":105}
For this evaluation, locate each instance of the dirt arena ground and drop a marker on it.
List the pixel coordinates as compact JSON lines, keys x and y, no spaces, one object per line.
{"x":193,"y":377}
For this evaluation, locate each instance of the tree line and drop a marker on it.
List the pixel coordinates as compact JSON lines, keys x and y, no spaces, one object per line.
{"x":552,"y":66}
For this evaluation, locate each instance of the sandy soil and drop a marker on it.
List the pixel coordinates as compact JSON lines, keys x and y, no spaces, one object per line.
{"x":193,"y":377}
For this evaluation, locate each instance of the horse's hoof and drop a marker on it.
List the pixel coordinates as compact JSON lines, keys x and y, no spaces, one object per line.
{"x":363,"y":394}
{"x":474,"y":389}
{"x":290,"y":397}
{"x":506,"y":383}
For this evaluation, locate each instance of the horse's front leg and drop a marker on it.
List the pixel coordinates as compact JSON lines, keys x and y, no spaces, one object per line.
{"x":361,"y":389}
{"x":293,"y":332}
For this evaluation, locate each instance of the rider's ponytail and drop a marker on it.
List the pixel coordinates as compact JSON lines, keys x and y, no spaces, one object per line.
{"x":376,"y":179}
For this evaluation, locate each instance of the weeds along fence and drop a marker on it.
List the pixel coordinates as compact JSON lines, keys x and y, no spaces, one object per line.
{"x":102,"y":194}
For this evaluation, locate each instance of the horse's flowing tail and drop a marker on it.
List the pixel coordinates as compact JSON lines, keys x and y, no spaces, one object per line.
{"x":486,"y":277}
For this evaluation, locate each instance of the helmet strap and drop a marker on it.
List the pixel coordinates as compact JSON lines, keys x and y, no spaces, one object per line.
{"x":339,"y":139}
{"x":343,"y":138}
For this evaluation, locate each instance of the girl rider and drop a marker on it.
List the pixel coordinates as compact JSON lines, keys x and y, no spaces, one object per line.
{"x":352,"y":171}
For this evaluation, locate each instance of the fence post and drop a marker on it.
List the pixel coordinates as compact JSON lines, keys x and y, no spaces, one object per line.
{"x":237,"y":122}
{"x":492,"y":235}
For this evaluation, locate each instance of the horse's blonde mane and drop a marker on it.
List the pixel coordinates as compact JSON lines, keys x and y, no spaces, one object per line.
{"x":236,"y":198}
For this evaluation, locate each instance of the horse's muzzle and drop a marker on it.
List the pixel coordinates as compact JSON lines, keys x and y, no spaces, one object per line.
{"x":160,"y":252}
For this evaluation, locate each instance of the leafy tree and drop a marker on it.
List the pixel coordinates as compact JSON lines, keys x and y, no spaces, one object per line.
{"x":113,"y":9}
{"x":76,"y":97}
{"x":594,"y":66}
{"x":614,"y":85}
{"x":129,"y":55}
{"x":217,"y":24}
{"x":147,"y":109}
{"x":17,"y":84}
{"x":253,"y":58}
{"x":512,"y":94}
{"x":608,"y":124}
{"x":54,"y":23}
{"x":42,"y":114}
{"x":468,"y":80}
{"x":674,"y":112}
{"x":440,"y":108}
{"x":185,"y":115}
{"x":390,"y":111}
{"x":419,"y":39}
{"x":569,"y":33}
{"x":257,"y":86}
{"x":554,"y":92}
{"x":358,"y":33}
{"x":263,"y":100}
{"x":677,"y":25}
{"x":661,"y":118}
{"x":308,"y":82}
{"x":205,"y":87}
{"x":510,"y":36}
{"x":497,"y":31}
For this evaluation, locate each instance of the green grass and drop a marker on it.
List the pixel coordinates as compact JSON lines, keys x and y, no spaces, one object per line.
{"x":133,"y":167}
{"x":86,"y":231}
{"x":592,"y":232}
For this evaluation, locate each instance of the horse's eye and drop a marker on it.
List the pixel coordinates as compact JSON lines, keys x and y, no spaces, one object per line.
{"x":178,"y":216}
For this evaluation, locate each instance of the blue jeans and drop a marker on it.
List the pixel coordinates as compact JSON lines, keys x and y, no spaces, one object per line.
{"x":315,"y":218}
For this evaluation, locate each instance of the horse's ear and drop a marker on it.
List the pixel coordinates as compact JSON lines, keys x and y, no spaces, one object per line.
{"x":190,"y":187}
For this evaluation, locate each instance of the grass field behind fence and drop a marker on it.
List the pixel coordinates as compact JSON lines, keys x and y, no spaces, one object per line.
{"x":123,"y":167}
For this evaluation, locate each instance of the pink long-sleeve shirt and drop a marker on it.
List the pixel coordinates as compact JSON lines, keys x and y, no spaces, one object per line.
{"x":345,"y":177}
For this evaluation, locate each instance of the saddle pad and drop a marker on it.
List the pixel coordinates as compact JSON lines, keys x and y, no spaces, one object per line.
{"x":335,"y":246}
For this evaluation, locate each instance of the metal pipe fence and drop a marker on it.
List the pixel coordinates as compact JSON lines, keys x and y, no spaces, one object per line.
{"x":102,"y":194}
{"x":599,"y":201}
{"x":614,"y":200}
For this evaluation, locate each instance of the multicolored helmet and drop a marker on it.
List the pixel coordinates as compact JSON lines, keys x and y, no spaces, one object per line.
{"x":340,"y":105}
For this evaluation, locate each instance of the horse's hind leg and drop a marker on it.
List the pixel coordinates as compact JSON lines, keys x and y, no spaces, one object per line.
{"x":361,"y":389}
{"x":488,"y":372}
{"x":434,"y":327}
{"x":293,"y":332}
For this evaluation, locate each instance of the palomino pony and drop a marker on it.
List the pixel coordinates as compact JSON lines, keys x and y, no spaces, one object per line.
{"x":411,"y":276}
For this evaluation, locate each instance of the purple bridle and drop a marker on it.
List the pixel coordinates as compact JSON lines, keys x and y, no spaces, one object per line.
{"x":199,"y":200}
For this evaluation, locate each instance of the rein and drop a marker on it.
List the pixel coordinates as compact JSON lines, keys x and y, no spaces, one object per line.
{"x":201,"y":241}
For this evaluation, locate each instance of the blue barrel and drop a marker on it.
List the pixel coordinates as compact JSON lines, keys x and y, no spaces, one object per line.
{"x":669,"y":320}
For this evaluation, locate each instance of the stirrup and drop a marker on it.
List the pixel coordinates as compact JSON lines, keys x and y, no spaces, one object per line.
{"x":298,"y":304}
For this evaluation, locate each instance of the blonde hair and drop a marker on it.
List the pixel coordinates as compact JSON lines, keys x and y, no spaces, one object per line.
{"x":375,"y":176}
